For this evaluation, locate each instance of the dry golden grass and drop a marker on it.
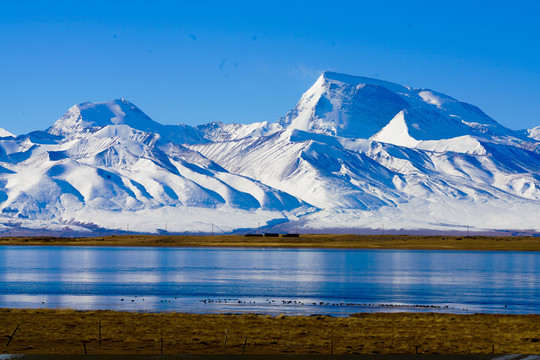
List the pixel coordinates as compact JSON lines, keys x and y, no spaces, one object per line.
{"x":63,"y":331}
{"x":304,"y":241}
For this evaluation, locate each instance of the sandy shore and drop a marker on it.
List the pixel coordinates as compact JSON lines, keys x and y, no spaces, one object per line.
{"x":68,"y":331}
{"x":304,"y":241}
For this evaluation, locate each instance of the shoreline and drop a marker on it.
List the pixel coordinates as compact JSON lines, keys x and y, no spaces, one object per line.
{"x":118,"y":332}
{"x":396,"y":242}
{"x":68,"y":331}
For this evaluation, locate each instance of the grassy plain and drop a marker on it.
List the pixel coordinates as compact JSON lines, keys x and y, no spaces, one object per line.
{"x":304,"y":241}
{"x":64,"y":331}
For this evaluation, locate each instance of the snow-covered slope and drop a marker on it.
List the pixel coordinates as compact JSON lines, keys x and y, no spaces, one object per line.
{"x":358,"y":107}
{"x":110,"y":165}
{"x":354,"y":154}
{"x":534,"y":133}
{"x":367,"y":151}
{"x":5,"y":134}
{"x":88,"y":117}
{"x":218,"y":132}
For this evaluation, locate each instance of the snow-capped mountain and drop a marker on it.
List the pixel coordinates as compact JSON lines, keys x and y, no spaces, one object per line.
{"x":4,"y":133}
{"x":87,"y":118}
{"x":353,"y":154}
{"x":357,"y":107}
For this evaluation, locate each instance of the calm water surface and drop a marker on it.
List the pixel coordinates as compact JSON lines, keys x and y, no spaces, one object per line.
{"x":273,"y":281}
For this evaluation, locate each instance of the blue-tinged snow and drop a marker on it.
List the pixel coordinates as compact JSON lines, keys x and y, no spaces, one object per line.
{"x":5,"y":134}
{"x":89,"y":117}
{"x":354,"y":153}
{"x":358,"y":107}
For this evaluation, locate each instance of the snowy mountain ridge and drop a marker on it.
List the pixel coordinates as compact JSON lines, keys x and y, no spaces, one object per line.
{"x":4,"y":133}
{"x":354,"y":154}
{"x":359,"y":107}
{"x":89,"y":117}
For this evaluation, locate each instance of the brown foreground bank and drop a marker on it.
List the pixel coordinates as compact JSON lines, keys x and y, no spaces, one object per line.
{"x":110,"y":332}
{"x":303,"y":241}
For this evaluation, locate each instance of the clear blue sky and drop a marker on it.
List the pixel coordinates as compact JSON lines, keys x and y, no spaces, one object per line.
{"x":201,"y":61}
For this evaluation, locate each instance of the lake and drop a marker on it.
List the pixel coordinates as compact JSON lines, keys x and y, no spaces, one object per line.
{"x":269,"y":281}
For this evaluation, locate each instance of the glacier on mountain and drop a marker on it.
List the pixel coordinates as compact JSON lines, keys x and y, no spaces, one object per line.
{"x":354,"y":155}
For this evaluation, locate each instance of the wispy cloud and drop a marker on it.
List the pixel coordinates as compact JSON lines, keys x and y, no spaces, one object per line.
{"x":303,"y":71}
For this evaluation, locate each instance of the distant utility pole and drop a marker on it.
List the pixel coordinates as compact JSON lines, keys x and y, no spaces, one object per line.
{"x":212,"y":229}
{"x":127,"y":227}
{"x":166,"y":230}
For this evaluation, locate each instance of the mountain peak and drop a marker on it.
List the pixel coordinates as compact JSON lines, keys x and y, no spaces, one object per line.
{"x":121,"y":103}
{"x":4,"y":133}
{"x":88,"y":116}
{"x":360,"y":107}
{"x":354,"y":152}
{"x":331,"y":76}
{"x":347,"y":106}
